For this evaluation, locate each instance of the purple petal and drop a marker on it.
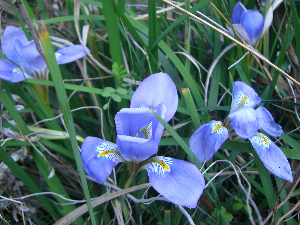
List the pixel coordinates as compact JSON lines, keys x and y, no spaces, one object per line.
{"x":33,"y":61}
{"x":10,"y":72}
{"x":99,"y":157}
{"x":267,"y":123}
{"x":243,"y":95}
{"x":131,"y":120}
{"x":69,"y":54}
{"x":238,"y":10}
{"x":154,"y":90}
{"x":253,"y":22}
{"x":272,"y":156}
{"x":135,"y":148}
{"x":178,"y":181}
{"x":244,"y":122}
{"x":11,"y":34}
{"x":207,"y":140}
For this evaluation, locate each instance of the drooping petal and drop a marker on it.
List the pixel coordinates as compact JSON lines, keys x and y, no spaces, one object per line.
{"x":178,"y":181}
{"x":156,"y":89}
{"x":10,"y":34}
{"x":207,"y":140}
{"x":243,"y":95}
{"x":272,"y":156}
{"x":33,"y":61}
{"x":266,"y":122}
{"x":244,"y":122}
{"x":99,"y":157}
{"x":135,"y":148}
{"x":238,"y":10}
{"x":69,"y":54}
{"x":10,"y":72}
{"x":253,"y":22}
{"x":130,"y":120}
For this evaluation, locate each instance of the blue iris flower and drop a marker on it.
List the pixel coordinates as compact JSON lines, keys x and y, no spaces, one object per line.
{"x":25,"y":60}
{"x":138,"y":136}
{"x":250,"y":24}
{"x":246,"y":121}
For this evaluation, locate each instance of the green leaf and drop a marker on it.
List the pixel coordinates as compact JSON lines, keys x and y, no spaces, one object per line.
{"x":121,"y":91}
{"x":109,"y":90}
{"x":116,"y":98}
{"x":238,"y":206}
{"x":106,"y":94}
{"x":105,"y":107}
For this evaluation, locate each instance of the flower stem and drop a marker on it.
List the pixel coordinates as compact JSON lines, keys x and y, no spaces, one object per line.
{"x":129,"y":181}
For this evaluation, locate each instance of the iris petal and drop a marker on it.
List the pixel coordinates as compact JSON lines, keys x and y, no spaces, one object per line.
{"x":253,"y":22}
{"x":130,"y":120}
{"x":238,"y":10}
{"x":266,"y":122}
{"x":10,"y":72}
{"x":8,"y":42}
{"x":135,"y":148}
{"x":207,"y":140}
{"x":33,"y":61}
{"x":154,"y":90}
{"x":178,"y":181}
{"x":272,"y":156}
{"x":243,"y":95}
{"x":244,"y":122}
{"x":99,"y":157}
{"x":69,"y":54}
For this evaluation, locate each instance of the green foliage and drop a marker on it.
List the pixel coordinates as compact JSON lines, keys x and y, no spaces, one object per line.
{"x":125,"y":51}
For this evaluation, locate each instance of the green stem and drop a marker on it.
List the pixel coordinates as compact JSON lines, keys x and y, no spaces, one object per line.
{"x":130,"y":179}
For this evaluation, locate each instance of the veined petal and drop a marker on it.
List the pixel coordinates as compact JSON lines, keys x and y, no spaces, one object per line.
{"x":33,"y":61}
{"x":156,"y":89}
{"x":266,"y":122}
{"x":244,"y":122}
{"x":10,"y":72}
{"x":99,"y":157}
{"x":8,"y":42}
{"x":238,"y":10}
{"x":131,"y":120}
{"x":178,"y":181}
{"x":272,"y":156}
{"x":69,"y":54}
{"x":207,"y":140}
{"x":253,"y":22}
{"x":243,"y":95}
{"x":135,"y":148}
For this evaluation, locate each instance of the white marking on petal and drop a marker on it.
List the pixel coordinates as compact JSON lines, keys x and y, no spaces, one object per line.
{"x":218,"y":127}
{"x":261,"y":141}
{"x":109,"y":151}
{"x":160,"y":165}
{"x":240,"y":100}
